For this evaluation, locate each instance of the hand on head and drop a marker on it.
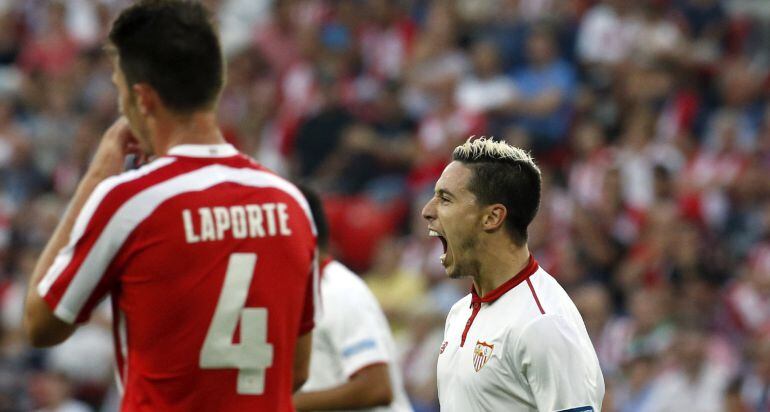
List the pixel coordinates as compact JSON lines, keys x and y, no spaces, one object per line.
{"x":116,"y":143}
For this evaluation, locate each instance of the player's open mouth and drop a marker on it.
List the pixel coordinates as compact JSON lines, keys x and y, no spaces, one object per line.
{"x":433,"y":233}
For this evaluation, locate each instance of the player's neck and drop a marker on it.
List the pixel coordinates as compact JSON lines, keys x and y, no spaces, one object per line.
{"x":197,"y":128}
{"x":498,"y":264}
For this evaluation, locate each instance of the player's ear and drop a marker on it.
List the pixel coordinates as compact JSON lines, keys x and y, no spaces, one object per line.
{"x":147,"y":99}
{"x":493,"y":217}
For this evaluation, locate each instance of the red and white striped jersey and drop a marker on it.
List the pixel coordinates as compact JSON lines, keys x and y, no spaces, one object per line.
{"x":209,"y":260}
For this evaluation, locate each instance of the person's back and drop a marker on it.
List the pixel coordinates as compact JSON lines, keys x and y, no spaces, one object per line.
{"x":209,"y":262}
{"x":208,"y":257}
{"x":220,"y":227}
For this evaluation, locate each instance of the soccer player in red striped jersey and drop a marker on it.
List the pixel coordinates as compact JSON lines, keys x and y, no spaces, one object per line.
{"x":208,"y":258}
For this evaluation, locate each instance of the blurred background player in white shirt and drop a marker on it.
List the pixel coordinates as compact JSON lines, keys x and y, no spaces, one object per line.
{"x":516,"y":342}
{"x":353,"y":363}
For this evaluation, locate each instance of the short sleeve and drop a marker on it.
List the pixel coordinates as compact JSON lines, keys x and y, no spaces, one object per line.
{"x":562,"y":374}
{"x":355,"y":336}
{"x":77,"y":280}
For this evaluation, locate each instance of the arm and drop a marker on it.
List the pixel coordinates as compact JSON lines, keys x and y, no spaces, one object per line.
{"x":42,"y":327}
{"x":302,"y":360}
{"x":561,"y":368}
{"x":367,"y":388}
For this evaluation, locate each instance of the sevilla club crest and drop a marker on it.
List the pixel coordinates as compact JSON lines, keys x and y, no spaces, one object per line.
{"x":481,"y":354}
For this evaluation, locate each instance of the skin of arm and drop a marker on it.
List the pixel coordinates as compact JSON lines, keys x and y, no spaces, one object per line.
{"x":367,"y":388}
{"x":41,"y":326}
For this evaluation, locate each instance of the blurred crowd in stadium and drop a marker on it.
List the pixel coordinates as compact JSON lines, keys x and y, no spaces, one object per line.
{"x":650,"y":120}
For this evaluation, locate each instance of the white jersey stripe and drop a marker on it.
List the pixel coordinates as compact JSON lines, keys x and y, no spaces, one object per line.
{"x":65,"y":255}
{"x":139,"y":207}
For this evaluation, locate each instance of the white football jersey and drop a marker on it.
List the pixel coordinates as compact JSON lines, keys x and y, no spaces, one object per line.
{"x":522,"y":347}
{"x":352,"y":333}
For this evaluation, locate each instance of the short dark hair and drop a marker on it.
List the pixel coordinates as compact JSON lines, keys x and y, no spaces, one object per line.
{"x":173,"y":46}
{"x":503,"y":174}
{"x":319,"y":216}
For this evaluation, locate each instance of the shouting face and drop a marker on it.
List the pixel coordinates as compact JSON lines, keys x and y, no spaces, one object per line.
{"x":455,"y":217}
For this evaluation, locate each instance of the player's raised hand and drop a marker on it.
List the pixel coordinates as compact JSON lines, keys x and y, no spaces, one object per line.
{"x":116,"y":143}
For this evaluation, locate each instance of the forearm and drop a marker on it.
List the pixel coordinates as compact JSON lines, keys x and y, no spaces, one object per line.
{"x":346,"y":396}
{"x":369,"y":389}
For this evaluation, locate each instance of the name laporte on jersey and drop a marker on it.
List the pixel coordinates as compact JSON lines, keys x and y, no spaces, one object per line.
{"x":239,"y":221}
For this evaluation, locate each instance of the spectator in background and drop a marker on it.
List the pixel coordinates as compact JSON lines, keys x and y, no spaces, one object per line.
{"x":633,"y":392}
{"x":748,"y":297}
{"x":387,"y":39}
{"x":320,"y":136}
{"x":607,"y":33}
{"x":704,"y":23}
{"x":658,"y":37}
{"x":380,"y":150}
{"x":486,"y":88}
{"x":696,"y":382}
{"x":754,"y":385}
{"x":53,"y":49}
{"x":546,"y":87}
{"x":438,"y":62}
{"x":52,"y":392}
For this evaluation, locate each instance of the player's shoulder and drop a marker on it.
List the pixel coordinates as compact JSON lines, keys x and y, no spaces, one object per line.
{"x":111,"y":193}
{"x":249,"y":172}
{"x":343,"y":286}
{"x":140,"y":177}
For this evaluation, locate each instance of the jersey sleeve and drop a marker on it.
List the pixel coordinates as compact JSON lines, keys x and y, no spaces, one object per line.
{"x":77,"y":280}
{"x":355,"y":335}
{"x":556,"y":368}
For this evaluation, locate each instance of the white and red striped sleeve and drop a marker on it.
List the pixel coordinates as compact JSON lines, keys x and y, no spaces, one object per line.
{"x":78,"y":279}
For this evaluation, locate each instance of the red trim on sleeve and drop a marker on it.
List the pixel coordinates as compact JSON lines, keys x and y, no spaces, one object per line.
{"x":534,"y":295}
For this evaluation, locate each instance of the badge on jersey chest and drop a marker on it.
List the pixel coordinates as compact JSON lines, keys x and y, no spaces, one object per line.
{"x":481,"y":354}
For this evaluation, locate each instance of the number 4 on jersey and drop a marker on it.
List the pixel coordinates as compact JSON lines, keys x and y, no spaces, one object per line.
{"x":253,"y":354}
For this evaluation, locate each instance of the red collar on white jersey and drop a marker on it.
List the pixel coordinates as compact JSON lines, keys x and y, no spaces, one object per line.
{"x":203,"y":150}
{"x":511,"y":283}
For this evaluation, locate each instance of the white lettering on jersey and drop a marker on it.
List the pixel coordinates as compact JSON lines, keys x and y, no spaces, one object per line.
{"x":269,"y":209}
{"x":283,"y":218}
{"x":188,"y":227}
{"x":255,"y":221}
{"x":238,"y":214}
{"x":207,"y":224}
{"x":239,"y":221}
{"x":222,"y":218}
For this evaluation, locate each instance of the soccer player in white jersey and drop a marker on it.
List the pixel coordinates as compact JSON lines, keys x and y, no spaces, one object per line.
{"x":516,"y":342}
{"x":353,"y":364}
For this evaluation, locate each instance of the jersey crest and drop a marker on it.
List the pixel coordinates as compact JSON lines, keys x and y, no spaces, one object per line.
{"x":481,"y":354}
